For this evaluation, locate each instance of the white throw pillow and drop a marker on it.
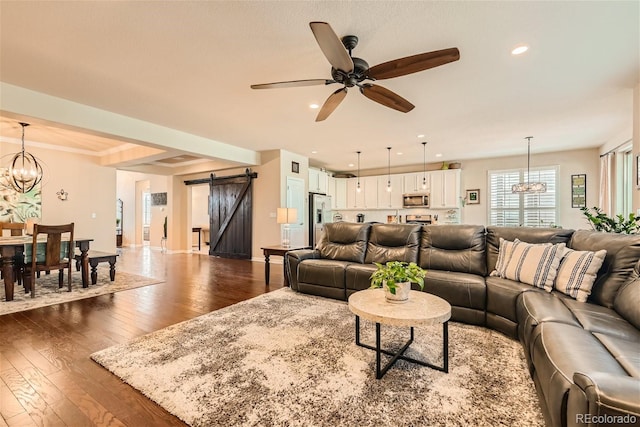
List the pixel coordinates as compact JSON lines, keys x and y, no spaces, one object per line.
{"x":577,"y":272}
{"x":533,"y":264}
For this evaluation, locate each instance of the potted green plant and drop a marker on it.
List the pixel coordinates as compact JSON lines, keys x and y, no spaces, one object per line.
{"x":396,"y":278}
{"x":616,"y":224}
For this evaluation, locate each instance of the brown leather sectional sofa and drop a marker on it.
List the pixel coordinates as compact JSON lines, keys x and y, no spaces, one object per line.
{"x":584,"y":358}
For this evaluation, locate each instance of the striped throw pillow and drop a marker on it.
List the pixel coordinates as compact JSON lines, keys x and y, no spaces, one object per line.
{"x":533,"y":264}
{"x":577,"y":272}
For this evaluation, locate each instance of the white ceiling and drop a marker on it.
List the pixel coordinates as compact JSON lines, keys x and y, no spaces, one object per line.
{"x":188,"y":66}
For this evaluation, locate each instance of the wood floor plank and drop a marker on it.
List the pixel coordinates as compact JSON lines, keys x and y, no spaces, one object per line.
{"x":10,"y":407}
{"x":21,"y":420}
{"x":28,"y":397}
{"x":90,"y":407}
{"x":43,"y":386}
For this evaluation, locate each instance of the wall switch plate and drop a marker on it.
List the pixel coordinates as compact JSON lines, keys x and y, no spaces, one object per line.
{"x":272,"y":214}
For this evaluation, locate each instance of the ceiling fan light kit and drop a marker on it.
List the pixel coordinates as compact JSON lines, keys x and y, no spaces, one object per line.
{"x":351,"y":71}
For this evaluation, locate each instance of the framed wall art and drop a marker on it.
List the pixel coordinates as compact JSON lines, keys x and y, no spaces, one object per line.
{"x":295,"y":167}
{"x":578,"y":191}
{"x":638,"y":171}
{"x":473,"y":197}
{"x":158,"y":199}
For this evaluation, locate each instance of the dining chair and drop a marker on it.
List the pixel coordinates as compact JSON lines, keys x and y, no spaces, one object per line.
{"x":16,"y":229}
{"x":56,"y":253}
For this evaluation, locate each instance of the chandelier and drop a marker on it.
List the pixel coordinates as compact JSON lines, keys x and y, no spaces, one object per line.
{"x":24,"y":171}
{"x":529,"y":187}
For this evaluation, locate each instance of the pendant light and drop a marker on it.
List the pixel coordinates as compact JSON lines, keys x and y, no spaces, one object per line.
{"x":24,"y":171}
{"x":358,"y":189}
{"x":424,"y":165}
{"x":529,"y":187}
{"x":389,"y":169}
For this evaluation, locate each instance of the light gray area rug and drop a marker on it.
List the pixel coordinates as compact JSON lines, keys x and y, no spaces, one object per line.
{"x":48,"y":293}
{"x":287,"y":359}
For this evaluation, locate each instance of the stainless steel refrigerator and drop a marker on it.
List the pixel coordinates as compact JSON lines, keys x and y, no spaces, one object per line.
{"x":319,"y":214}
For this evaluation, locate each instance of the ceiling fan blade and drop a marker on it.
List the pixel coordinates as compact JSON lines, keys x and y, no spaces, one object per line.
{"x":331,"y":104}
{"x":386,"y":97}
{"x":413,"y":64}
{"x":332,"y":47}
{"x":293,"y":83}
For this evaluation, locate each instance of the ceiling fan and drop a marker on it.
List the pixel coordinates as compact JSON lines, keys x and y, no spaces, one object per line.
{"x":351,"y":71}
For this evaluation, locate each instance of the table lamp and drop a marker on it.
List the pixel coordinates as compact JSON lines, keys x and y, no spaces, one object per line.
{"x":286,"y":216}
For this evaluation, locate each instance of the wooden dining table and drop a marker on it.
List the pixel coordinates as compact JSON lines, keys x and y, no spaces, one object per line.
{"x":12,"y":246}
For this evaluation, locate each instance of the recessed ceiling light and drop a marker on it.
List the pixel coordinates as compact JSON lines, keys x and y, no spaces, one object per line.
{"x":314,"y":152}
{"x":351,"y":165}
{"x":314,"y":106}
{"x":400,"y":153}
{"x":520,"y":49}
{"x":421,"y":136}
{"x":439,"y":155}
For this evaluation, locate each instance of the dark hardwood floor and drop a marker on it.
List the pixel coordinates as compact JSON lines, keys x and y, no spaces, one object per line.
{"x":46,"y":376}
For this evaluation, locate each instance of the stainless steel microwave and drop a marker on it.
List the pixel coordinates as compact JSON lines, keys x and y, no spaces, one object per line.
{"x":416,"y":200}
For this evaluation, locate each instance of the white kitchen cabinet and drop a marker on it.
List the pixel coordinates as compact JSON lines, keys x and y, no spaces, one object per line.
{"x":370,"y":191}
{"x":318,"y":181}
{"x":412,"y":182}
{"x":445,"y":189}
{"x":355,"y":199}
{"x":392,"y":199}
{"x":338,"y":192}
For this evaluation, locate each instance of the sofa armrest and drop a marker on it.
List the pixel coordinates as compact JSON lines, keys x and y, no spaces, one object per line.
{"x":293,"y":259}
{"x":603,"y":399}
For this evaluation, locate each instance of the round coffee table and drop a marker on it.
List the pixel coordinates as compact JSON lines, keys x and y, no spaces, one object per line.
{"x":422,"y":309}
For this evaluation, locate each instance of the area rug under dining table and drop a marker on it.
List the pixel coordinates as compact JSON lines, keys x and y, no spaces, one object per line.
{"x":290,"y":359}
{"x":48,"y":293}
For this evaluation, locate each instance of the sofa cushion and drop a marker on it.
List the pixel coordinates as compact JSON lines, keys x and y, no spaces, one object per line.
{"x":626,"y":352}
{"x":533,"y":264}
{"x":458,"y":289}
{"x":558,"y":351}
{"x":525,"y":234}
{"x":325,"y":272}
{"x":627,"y":302}
{"x":596,"y":318}
{"x":393,"y":242}
{"x":502,"y":295}
{"x":623,"y":253}
{"x":577,"y":272}
{"x":533,"y":308}
{"x":358,"y":276}
{"x":452,"y":247}
{"x":344,"y":241}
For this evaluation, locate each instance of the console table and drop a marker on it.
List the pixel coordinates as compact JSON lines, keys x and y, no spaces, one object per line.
{"x":279,"y":251}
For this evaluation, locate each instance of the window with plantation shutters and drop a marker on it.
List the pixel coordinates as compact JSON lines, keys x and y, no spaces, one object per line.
{"x":528,"y":209}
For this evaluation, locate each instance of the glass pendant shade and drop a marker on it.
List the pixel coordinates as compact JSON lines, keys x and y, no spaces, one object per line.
{"x":529,"y":187}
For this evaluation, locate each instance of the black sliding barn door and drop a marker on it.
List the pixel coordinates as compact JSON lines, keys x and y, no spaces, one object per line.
{"x":230,"y":215}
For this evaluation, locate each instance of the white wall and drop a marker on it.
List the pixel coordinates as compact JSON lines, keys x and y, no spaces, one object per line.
{"x":475,"y":175}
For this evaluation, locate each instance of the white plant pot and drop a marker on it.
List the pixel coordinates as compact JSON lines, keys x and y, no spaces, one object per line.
{"x":401,"y":295}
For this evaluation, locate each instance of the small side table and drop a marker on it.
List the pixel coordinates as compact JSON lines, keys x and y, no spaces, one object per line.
{"x":422,"y":309}
{"x":279,"y":251}
{"x":197,"y":230}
